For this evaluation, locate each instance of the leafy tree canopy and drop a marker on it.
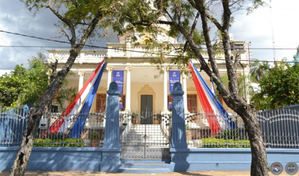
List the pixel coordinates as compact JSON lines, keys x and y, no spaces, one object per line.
{"x":279,"y":88}
{"x":23,"y":86}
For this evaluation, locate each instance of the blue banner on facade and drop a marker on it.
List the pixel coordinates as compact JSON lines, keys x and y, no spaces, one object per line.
{"x":174,"y":76}
{"x":118,"y":77}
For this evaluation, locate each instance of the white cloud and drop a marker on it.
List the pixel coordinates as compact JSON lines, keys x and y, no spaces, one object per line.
{"x":257,"y":28}
{"x":22,"y":21}
{"x":4,"y":41}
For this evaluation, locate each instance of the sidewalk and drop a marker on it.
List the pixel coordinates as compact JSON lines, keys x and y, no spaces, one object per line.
{"x":203,"y":173}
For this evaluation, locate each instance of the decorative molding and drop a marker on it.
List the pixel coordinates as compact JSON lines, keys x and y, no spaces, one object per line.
{"x":81,"y":73}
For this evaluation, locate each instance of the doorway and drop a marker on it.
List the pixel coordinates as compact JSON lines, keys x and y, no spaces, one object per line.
{"x":146,"y":109}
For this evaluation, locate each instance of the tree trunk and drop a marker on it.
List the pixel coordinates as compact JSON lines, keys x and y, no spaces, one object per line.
{"x":21,"y":161}
{"x":259,"y":163}
{"x":236,"y":103}
{"x":258,"y":152}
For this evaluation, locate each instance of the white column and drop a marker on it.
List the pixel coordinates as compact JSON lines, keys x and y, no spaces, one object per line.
{"x":109,"y":77}
{"x":81,"y":80}
{"x":165,"y":94}
{"x":128,"y":89}
{"x":184,"y":82}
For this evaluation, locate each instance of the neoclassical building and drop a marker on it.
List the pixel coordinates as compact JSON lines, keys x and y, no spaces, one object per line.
{"x":146,"y":86}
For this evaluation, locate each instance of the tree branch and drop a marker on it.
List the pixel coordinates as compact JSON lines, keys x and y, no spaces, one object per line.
{"x":90,"y":28}
{"x":231,"y":71}
{"x":66,"y":21}
{"x":168,"y":14}
{"x":65,"y":33}
{"x":215,"y":21}
{"x":197,"y":5}
{"x":192,"y":29}
{"x":237,"y":59}
{"x":226,"y":14}
{"x":204,"y":66}
{"x":82,"y":23}
{"x":202,"y":10}
{"x":165,"y":22}
{"x":53,"y":68}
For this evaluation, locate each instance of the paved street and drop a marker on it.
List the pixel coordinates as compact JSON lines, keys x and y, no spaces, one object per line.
{"x":203,"y":173}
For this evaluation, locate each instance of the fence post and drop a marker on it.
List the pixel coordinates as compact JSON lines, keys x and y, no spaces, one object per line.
{"x":111,"y":138}
{"x":178,"y":133}
{"x":111,"y":152}
{"x":179,"y":151}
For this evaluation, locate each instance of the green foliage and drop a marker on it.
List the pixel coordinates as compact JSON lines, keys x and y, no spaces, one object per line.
{"x":279,"y":88}
{"x":65,"y":94}
{"x":241,"y":84}
{"x":259,"y":70}
{"x":231,"y":134}
{"x":68,"y":142}
{"x":224,"y":143}
{"x":75,"y":16}
{"x":23,"y":86}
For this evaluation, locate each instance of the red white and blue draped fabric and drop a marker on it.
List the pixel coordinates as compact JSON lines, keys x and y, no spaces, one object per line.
{"x":216,"y":115}
{"x":88,"y":90}
{"x":84,"y":113}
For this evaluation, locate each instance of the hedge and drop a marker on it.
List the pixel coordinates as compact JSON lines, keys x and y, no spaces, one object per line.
{"x":68,"y":142}
{"x":224,"y":143}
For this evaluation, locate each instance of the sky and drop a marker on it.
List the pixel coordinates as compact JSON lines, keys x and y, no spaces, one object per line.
{"x":258,"y":27}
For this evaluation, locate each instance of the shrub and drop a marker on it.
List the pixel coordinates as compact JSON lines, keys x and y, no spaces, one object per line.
{"x":232,"y":134}
{"x":213,"y":142}
{"x":68,"y":142}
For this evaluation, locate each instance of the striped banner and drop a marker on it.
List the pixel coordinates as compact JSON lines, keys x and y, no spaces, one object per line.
{"x":84,"y":113}
{"x":64,"y":121}
{"x":216,"y":115}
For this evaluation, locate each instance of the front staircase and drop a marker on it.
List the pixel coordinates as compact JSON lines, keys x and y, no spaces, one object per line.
{"x":144,"y":166}
{"x":144,"y":150}
{"x":146,"y":133}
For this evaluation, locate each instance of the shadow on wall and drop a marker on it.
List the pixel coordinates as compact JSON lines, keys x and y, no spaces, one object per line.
{"x":65,"y":159}
{"x":55,"y":159}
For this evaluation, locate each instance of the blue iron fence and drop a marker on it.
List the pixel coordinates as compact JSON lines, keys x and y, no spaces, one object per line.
{"x":90,"y":135}
{"x":12,"y":125}
{"x":280,"y":129}
{"x":211,"y":131}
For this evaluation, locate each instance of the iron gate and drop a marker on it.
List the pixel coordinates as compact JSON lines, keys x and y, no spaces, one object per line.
{"x":145,"y":141}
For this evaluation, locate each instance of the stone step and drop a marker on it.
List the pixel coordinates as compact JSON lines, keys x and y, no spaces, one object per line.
{"x":144,"y":170}
{"x":144,"y":166}
{"x":140,"y":135}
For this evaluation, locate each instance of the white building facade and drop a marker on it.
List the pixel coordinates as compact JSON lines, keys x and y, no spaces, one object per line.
{"x":146,"y":87}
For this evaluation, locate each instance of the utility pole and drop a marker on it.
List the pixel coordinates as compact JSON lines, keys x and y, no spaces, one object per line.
{"x":273,"y":34}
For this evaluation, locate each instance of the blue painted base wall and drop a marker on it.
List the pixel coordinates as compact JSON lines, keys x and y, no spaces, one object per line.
{"x":99,"y":159}
{"x":64,"y":159}
{"x":229,"y":159}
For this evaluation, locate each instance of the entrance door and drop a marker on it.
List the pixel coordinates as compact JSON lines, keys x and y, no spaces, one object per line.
{"x":146,"y":110}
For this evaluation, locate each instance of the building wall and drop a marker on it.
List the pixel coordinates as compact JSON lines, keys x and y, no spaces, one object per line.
{"x":143,"y":81}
